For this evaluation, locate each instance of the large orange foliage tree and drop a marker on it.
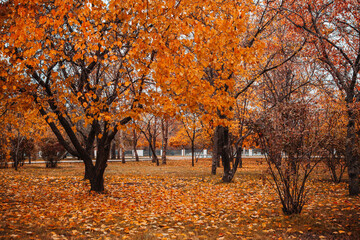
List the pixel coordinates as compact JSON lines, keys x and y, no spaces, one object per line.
{"x":86,"y":65}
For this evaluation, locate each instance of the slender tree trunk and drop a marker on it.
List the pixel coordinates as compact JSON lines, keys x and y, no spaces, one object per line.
{"x":155,"y":158}
{"x":136,"y":155}
{"x":192,"y":153}
{"x":238,"y":159}
{"x":215,"y":153}
{"x":334,"y":174}
{"x":113,"y":151}
{"x":122,"y":146}
{"x":122,"y":155}
{"x":16,"y":158}
{"x":153,"y":153}
{"x":163,"y":156}
{"x":165,"y":133}
{"x":135,"y":145}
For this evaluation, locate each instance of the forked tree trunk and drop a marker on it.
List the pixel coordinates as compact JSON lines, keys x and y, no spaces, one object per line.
{"x":153,"y":153}
{"x":223,"y":147}
{"x":222,"y":142}
{"x":97,"y":172}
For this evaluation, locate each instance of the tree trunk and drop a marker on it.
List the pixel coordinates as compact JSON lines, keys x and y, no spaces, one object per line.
{"x":88,"y":174}
{"x":113,"y":151}
{"x":155,"y":158}
{"x":165,"y":133}
{"x":224,"y":151}
{"x":238,"y":159}
{"x":163,"y":156}
{"x":97,"y":173}
{"x":352,"y":156}
{"x":135,"y":145}
{"x":136,"y":155}
{"x":16,"y":157}
{"x":192,"y":153}
{"x":122,"y":155}
{"x":215,"y":153}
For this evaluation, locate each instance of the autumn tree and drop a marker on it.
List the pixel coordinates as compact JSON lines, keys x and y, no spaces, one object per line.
{"x":289,"y":131}
{"x":334,"y":146}
{"x":333,"y":117}
{"x":211,"y":55}
{"x":149,"y":127}
{"x":85,"y":63}
{"x":333,"y":27}
{"x":135,"y":136}
{"x":258,"y":32}
{"x":191,"y":126}
{"x":51,"y":151}
{"x":166,"y":128}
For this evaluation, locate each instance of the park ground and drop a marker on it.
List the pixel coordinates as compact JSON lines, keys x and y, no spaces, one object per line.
{"x":173,"y":201}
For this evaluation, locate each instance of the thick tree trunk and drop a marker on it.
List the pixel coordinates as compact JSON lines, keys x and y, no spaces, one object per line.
{"x":97,"y":172}
{"x":88,"y":169}
{"x":352,"y":157}
{"x":223,"y":147}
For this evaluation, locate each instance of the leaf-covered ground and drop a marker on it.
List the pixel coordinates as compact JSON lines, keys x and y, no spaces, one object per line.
{"x":175,"y":201}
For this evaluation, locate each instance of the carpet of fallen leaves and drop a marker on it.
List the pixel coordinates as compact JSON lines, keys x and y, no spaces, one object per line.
{"x":176,"y":201}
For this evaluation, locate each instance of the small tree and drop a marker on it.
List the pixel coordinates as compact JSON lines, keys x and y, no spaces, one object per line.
{"x":290,"y":136}
{"x":52,"y":151}
{"x":333,"y":148}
